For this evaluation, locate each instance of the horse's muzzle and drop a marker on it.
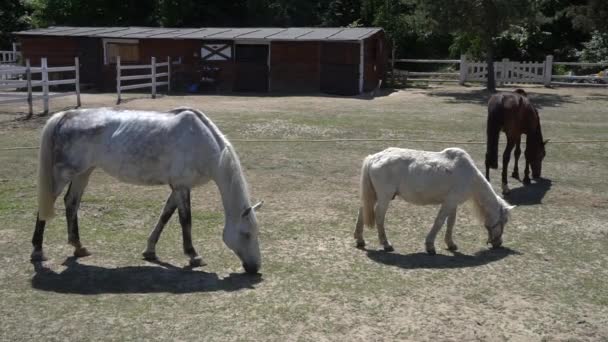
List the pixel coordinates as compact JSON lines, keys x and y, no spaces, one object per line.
{"x":251,"y":269}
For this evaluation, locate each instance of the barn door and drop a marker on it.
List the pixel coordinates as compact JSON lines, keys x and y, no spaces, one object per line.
{"x":340,"y":68}
{"x":251,"y":68}
{"x":91,"y":60}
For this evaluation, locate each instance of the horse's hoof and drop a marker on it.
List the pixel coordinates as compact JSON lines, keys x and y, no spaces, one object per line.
{"x":389,"y":248}
{"x":527,"y":181}
{"x":197,"y":261}
{"x":515,"y":175}
{"x":452,"y":248}
{"x":430,"y":251}
{"x":150,"y":256}
{"x":81,"y":252}
{"x":37,"y":256}
{"x":360,"y":244}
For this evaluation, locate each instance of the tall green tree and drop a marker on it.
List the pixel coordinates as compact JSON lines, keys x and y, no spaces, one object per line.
{"x":13,"y":17}
{"x":484,"y":20}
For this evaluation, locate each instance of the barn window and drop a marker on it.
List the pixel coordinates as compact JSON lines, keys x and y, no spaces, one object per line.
{"x":216,"y":52}
{"x":127,"y":49}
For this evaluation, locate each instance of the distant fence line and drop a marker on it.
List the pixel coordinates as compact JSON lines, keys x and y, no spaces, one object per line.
{"x":152,"y":77}
{"x":505,"y":71}
{"x":10,"y":56}
{"x":19,"y":77}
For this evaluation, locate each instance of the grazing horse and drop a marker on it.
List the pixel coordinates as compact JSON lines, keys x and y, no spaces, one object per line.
{"x":181,"y":148}
{"x":448,"y":178}
{"x":515,"y":115}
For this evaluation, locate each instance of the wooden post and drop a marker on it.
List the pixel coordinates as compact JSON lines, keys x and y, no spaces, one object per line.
{"x":504,"y":72}
{"x":548,"y":74}
{"x":168,"y":74}
{"x":118,"y":79}
{"x":153,"y":77}
{"x":464,"y":68}
{"x":77,"y":84}
{"x":45,"y":84}
{"x":28,"y":76}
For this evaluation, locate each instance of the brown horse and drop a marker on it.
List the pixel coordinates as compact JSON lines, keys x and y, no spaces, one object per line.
{"x":513,"y":114}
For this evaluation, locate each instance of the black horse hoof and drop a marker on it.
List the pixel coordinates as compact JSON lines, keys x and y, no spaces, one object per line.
{"x":360,"y":244}
{"x":527,"y":181}
{"x":389,"y":248}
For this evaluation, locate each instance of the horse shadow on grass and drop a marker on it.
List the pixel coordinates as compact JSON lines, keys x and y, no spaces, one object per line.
{"x":440,"y":261}
{"x":92,"y":280}
{"x":530,"y":194}
{"x":481,"y":97}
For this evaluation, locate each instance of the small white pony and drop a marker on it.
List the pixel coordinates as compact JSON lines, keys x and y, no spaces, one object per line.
{"x":448,"y":178}
{"x":181,"y":148}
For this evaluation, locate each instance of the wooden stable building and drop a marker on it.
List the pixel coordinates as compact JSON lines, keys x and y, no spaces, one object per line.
{"x":344,"y":61}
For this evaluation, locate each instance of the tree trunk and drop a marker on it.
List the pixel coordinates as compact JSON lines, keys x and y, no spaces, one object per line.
{"x":490,"y":63}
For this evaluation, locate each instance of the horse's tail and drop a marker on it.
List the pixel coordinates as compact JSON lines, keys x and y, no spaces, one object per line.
{"x":46,"y":198}
{"x":368,"y":195}
{"x":494,"y":124}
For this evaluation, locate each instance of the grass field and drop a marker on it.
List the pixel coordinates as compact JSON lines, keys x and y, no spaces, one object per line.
{"x":549,"y":283}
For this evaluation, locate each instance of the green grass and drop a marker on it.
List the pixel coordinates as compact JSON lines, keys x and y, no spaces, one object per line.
{"x":548,"y":283}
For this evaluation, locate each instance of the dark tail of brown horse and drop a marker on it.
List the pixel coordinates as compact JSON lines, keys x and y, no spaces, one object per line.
{"x":494,"y":124}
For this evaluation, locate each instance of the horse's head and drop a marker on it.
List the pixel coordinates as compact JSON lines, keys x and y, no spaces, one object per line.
{"x":495,"y":229}
{"x":242,"y":238}
{"x":535,"y":155}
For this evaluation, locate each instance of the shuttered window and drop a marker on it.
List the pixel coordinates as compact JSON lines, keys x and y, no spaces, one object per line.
{"x":127,"y":52}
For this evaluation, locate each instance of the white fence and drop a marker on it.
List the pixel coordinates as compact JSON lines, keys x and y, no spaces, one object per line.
{"x":10,"y":56}
{"x":505,"y":72}
{"x":152,"y":77}
{"x":20,"y":77}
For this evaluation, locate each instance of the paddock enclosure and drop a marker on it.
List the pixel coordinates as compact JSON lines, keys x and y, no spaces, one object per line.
{"x":343,"y":61}
{"x":547,"y":283}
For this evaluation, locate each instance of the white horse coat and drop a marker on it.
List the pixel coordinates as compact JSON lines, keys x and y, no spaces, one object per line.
{"x":447,"y":178}
{"x":181,"y":148}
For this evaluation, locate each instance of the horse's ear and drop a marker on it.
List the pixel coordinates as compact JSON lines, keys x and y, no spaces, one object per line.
{"x":257,"y":206}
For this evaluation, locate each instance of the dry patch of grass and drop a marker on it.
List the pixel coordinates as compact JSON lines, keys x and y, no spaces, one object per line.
{"x":549,"y":283}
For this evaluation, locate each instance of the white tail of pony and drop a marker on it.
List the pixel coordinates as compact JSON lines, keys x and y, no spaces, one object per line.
{"x":46,"y":198}
{"x":368,"y":196}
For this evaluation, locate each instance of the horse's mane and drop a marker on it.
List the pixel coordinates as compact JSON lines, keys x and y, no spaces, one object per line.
{"x":229,"y":162}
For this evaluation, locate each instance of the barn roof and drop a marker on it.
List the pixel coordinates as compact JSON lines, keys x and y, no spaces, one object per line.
{"x":210,"y":33}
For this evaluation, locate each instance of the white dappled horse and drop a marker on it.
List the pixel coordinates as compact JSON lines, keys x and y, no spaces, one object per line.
{"x":181,"y":148}
{"x":448,"y":178}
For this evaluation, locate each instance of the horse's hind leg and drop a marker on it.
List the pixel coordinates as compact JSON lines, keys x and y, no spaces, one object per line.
{"x":439,"y":220}
{"x":381,"y":208}
{"x":168,"y":210}
{"x":72,"y":204}
{"x":505,"y":165}
{"x":449,"y":241}
{"x":359,"y":230}
{"x":185,"y":219}
{"x":517,"y":153}
{"x":38,"y":237}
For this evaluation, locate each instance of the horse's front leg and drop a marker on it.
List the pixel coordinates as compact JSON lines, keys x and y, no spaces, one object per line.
{"x":429,"y":243}
{"x":170,"y":206}
{"x":359,"y":230}
{"x":505,"y":165}
{"x":185,"y":219}
{"x":449,"y":241}
{"x":381,"y":208}
{"x":527,"y":173}
{"x":517,"y":153}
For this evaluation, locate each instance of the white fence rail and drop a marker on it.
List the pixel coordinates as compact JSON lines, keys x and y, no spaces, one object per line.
{"x":20,"y":77}
{"x":152,"y":77}
{"x":505,"y":72}
{"x":10,"y":56}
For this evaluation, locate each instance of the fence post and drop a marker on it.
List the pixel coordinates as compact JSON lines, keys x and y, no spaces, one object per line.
{"x":77,"y":84}
{"x":118,"y":79}
{"x":393,"y":64}
{"x":153,"y":77}
{"x":548,"y":70}
{"x":28,"y":77}
{"x":168,"y":74}
{"x":464,"y":68}
{"x":504,"y":71}
{"x":45,"y":84}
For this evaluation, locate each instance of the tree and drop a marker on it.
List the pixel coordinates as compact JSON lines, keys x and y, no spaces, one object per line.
{"x":13,"y":17}
{"x":481,"y":19}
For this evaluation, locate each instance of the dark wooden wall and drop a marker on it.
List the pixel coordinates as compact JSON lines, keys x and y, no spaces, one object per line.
{"x":295,"y":67}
